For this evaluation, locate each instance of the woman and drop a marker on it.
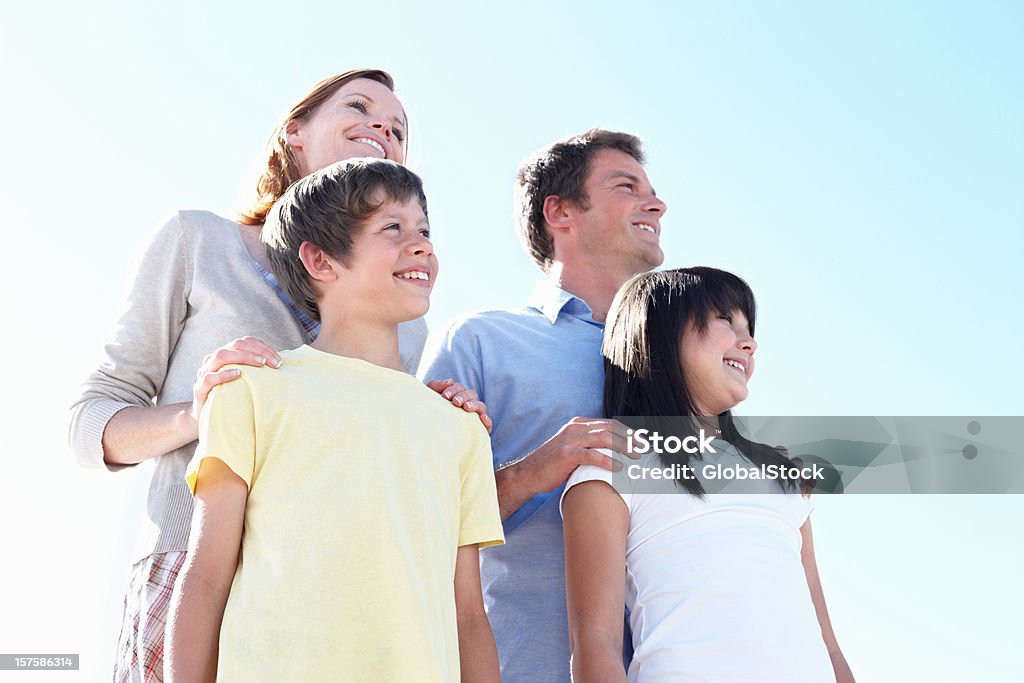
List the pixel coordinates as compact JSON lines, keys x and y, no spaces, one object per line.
{"x":202,"y":282}
{"x":718,"y":586}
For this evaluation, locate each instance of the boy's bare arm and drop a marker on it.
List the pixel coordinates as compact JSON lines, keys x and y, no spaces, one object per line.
{"x":197,"y":607}
{"x":478,"y":654}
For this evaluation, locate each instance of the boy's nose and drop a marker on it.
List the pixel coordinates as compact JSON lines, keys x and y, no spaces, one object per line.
{"x":421,"y":247}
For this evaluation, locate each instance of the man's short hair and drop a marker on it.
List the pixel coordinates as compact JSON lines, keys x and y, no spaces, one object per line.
{"x":560,"y":170}
{"x":327,"y":209}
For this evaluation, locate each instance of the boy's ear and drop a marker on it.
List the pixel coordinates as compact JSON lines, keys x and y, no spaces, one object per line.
{"x":557,"y":213}
{"x":318,"y":263}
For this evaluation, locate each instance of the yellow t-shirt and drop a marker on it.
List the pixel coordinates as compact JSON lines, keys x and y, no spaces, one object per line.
{"x":362,"y":485}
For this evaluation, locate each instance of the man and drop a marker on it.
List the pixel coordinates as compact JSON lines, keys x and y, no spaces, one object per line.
{"x":590,"y":220}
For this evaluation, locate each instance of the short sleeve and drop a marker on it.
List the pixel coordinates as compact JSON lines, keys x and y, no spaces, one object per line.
{"x":480,"y":519}
{"x":594,"y":473}
{"x":454,"y":354}
{"x":412,"y":337}
{"x":226,"y":432}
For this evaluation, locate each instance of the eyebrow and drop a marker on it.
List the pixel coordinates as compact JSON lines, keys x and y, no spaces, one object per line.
{"x":628,"y":176}
{"x":402,"y":120}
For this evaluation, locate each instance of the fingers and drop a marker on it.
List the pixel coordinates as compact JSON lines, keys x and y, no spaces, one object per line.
{"x":439,"y":385}
{"x":208,"y":381}
{"x":455,"y":392}
{"x":243,"y":351}
{"x":205,"y":384}
{"x":601,"y":460}
{"x":594,"y":433}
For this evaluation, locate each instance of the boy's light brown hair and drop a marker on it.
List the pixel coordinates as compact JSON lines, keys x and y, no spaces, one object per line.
{"x":327,"y":209}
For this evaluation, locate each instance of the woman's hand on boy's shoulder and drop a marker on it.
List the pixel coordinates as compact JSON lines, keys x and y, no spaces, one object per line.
{"x":462,"y":397}
{"x":242,"y":351}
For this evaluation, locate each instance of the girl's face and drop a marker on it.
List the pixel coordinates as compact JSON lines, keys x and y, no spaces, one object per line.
{"x":718,"y":362}
{"x":363,"y":118}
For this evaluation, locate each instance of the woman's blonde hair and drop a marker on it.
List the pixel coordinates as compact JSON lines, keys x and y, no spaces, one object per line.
{"x":282,"y":168}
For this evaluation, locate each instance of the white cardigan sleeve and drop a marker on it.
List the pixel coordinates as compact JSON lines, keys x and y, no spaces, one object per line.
{"x":135,"y":359}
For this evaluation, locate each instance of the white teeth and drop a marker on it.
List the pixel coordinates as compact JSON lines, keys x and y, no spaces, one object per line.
{"x":644,"y":226}
{"x":415,"y":275}
{"x":372,"y":143}
{"x":736,"y":365}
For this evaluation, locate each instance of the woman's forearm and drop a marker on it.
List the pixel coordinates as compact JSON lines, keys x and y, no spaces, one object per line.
{"x":137,"y":433}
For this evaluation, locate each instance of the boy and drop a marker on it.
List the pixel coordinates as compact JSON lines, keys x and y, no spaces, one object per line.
{"x":337,"y":498}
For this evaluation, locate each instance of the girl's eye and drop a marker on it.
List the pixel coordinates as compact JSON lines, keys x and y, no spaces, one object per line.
{"x":359,"y":106}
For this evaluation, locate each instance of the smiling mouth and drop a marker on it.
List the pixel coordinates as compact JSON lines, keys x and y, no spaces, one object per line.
{"x":737,"y":365}
{"x":647,"y":227}
{"x":417,"y":277}
{"x":372,"y":143}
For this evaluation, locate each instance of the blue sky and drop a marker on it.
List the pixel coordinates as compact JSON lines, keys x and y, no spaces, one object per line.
{"x":860,"y":164}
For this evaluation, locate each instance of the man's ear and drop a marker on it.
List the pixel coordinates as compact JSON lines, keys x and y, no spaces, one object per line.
{"x":318,"y":263}
{"x":558,"y":212}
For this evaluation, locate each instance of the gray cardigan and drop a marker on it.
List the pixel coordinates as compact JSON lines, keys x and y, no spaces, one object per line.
{"x":195,"y":289}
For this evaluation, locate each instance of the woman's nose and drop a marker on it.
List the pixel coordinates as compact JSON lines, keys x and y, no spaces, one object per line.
{"x":382,"y":126}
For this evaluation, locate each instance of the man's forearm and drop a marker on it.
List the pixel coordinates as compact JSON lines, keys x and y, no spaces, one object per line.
{"x":512,"y":491}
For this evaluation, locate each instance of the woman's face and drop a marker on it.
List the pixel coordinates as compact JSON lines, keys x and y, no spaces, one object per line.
{"x":718,"y":362}
{"x":363,"y":118}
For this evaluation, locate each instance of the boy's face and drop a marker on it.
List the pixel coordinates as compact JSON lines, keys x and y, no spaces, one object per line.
{"x":391,"y":266}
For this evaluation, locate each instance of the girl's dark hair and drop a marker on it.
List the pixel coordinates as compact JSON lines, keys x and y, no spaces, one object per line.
{"x":643,"y":374}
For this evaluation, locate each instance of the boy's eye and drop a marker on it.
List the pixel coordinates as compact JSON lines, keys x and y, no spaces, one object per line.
{"x":723,"y":316}
{"x":425,"y":232}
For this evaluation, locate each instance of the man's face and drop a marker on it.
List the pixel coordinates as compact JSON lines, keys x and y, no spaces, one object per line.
{"x":622,"y":227}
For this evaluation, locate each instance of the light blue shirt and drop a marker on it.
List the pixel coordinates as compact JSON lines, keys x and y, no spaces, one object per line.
{"x":536,"y":368}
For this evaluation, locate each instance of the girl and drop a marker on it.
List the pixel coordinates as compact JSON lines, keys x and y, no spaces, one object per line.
{"x":718,"y":587}
{"x":203,"y":281}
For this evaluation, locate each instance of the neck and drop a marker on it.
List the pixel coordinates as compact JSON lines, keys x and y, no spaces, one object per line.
{"x":596,"y":286}
{"x":709,"y":423}
{"x":373,"y":343}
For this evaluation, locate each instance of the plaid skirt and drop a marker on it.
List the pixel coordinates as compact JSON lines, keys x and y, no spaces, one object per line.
{"x":140,"y":647}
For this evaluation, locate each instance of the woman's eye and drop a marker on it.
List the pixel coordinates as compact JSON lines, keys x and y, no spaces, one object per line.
{"x":359,"y":106}
{"x":399,"y":134}
{"x":393,"y":226}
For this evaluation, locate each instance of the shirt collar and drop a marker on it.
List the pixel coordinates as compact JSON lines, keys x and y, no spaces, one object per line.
{"x":550,"y":300}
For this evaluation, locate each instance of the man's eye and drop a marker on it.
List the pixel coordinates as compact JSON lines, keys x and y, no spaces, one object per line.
{"x":393,"y":226}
